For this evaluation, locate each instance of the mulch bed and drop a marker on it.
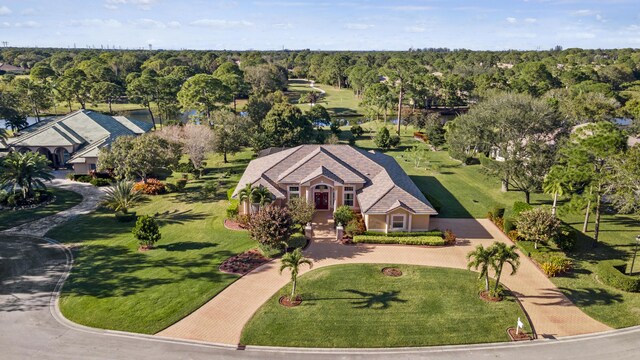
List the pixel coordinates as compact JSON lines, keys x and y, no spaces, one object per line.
{"x":484,"y":295}
{"x":233,"y":225}
{"x":243,"y":263}
{"x":285,"y":301}
{"x":522,"y":336}
{"x":144,"y":248}
{"x":391,"y":271}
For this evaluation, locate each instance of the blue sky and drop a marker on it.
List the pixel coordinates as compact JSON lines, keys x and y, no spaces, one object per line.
{"x":322,"y":24}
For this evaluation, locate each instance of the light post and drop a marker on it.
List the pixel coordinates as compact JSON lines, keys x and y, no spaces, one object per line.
{"x":635,"y":251}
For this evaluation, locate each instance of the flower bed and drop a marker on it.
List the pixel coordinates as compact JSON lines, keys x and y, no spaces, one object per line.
{"x":243,"y":263}
{"x":413,"y":240}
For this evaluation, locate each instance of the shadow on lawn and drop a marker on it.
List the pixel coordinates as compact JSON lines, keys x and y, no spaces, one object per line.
{"x":450,"y":206}
{"x":591,"y":296}
{"x":365,"y":300}
{"x":111,"y":271}
{"x":186,"y":246}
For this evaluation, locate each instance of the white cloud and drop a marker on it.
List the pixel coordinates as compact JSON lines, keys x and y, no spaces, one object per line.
{"x":5,"y":25}
{"x":584,"y":12}
{"x":221,"y":24}
{"x":408,"y":7}
{"x":530,"y":20}
{"x":95,"y":23}
{"x":357,"y":26}
{"x":174,"y":24}
{"x":27,"y":24}
{"x":5,"y":10}
{"x":283,"y":26}
{"x":148,"y":24}
{"x":415,"y":29}
{"x":141,"y":4}
{"x":511,"y":20}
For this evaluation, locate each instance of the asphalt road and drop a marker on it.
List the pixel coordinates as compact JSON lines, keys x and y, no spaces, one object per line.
{"x":31,"y":272}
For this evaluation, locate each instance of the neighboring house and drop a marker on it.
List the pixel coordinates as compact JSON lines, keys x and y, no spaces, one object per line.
{"x":330,"y":176}
{"x":8,"y":68}
{"x":75,"y":139}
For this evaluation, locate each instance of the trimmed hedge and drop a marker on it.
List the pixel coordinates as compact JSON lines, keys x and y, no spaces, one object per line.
{"x":405,"y":233}
{"x":414,"y":240}
{"x":611,"y":272}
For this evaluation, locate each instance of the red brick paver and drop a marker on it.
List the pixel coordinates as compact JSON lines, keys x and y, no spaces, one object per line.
{"x":222,"y":319}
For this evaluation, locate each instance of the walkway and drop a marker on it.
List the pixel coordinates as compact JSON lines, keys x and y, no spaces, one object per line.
{"x":91,"y":196}
{"x":222,"y":319}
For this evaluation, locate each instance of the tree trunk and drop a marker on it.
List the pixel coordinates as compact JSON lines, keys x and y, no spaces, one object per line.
{"x":224,"y":155}
{"x":596,"y":228}
{"x":586,"y":217}
{"x":293,"y":290}
{"x":498,"y":273}
{"x":486,"y":281}
{"x":555,"y":203}
{"x":400,"y":109}
{"x":69,"y":103}
{"x":535,"y":244}
{"x":505,"y":185}
{"x":234,"y":105}
{"x":110,"y":109}
{"x":527,"y":197}
{"x":153,"y":120}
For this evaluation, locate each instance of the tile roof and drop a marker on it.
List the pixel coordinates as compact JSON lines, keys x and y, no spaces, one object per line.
{"x":85,"y":130}
{"x":385,"y":183}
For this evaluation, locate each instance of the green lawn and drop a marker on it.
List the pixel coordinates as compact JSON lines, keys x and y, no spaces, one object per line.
{"x":114,"y":286}
{"x":64,"y":200}
{"x":339,"y":102}
{"x":357,"y":306}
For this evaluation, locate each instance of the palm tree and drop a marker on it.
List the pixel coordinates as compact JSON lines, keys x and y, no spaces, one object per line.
{"x":481,"y":259}
{"x":504,"y":254}
{"x":555,"y":184}
{"x":244,"y":196}
{"x":292,"y":261}
{"x":121,"y":196}
{"x":261,"y":195}
{"x":24,"y":171}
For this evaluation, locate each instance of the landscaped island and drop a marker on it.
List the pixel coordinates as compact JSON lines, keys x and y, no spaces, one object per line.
{"x":357,"y":305}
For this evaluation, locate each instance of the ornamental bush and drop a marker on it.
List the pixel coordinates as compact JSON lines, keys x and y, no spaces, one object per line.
{"x":413,"y":240}
{"x":383,"y":139}
{"x":406,"y":233}
{"x":566,"y":238}
{"x":343,"y":215}
{"x":556,"y":265}
{"x":271,"y":226}
{"x":611,"y":272}
{"x":357,"y":130}
{"x":449,"y":237}
{"x":519,"y":207}
{"x":146,"y":231}
{"x":356,"y":226}
{"x":301,"y":211}
{"x":150,"y":187}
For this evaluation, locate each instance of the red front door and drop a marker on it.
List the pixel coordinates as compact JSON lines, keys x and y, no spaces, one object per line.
{"x":321,"y":200}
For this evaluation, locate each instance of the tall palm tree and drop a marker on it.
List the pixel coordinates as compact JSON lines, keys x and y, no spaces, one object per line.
{"x":480,"y":259}
{"x":555,"y":184}
{"x":503,"y":254}
{"x":121,"y":196}
{"x":244,"y":196}
{"x":25,"y":172}
{"x":292,"y":261}
{"x":261,"y":195}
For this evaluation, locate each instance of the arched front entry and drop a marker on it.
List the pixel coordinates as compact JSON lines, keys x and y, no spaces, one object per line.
{"x":61,"y":157}
{"x":48,"y":155}
{"x":322,"y":196}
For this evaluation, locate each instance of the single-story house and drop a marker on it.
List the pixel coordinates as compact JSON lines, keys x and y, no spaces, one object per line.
{"x":75,"y":139}
{"x":329,"y":176}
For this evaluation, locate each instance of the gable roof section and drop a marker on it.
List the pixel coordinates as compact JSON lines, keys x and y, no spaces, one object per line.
{"x":386,"y":185}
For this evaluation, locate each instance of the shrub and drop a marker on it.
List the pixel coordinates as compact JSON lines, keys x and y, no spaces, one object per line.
{"x":538,"y":225}
{"x":406,"y":233}
{"x":413,"y":240}
{"x":383,"y":138}
{"x":301,"y":211}
{"x":514,"y":235}
{"x":356,"y":226}
{"x":100,"y":182}
{"x":508,"y":225}
{"x":497,"y":211}
{"x":566,"y":238}
{"x":3,"y":196}
{"x":232,"y":210}
{"x":449,"y":237}
{"x":343,"y":215}
{"x":499,"y":222}
{"x":611,"y":273}
{"x":556,"y":265}
{"x":297,"y":241}
{"x":150,"y":187}
{"x":351,"y":140}
{"x":71,"y":176}
{"x":146,"y":231}
{"x":357,"y":130}
{"x":186,"y":167}
{"x":209,"y":189}
{"x":12,"y":200}
{"x":230,"y":193}
{"x":181,"y":184}
{"x":243,"y":220}
{"x":121,"y":196}
{"x":394,"y":141}
{"x":519,"y":207}
{"x":83,"y":178}
{"x":271,"y":226}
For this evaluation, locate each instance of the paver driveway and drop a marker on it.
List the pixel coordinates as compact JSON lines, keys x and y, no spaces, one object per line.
{"x":222,"y":319}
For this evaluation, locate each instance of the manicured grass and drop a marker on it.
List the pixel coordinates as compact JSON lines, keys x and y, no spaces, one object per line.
{"x":114,"y":286}
{"x":357,"y":306}
{"x":64,"y":200}
{"x":339,"y":102}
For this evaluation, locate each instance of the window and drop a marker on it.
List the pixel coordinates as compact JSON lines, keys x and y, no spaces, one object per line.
{"x":92,"y":166}
{"x":349,"y":196}
{"x":397,"y":222}
{"x":294,"y":192}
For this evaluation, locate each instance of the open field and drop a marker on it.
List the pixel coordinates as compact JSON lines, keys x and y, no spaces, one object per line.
{"x":358,"y":306}
{"x":339,"y":102}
